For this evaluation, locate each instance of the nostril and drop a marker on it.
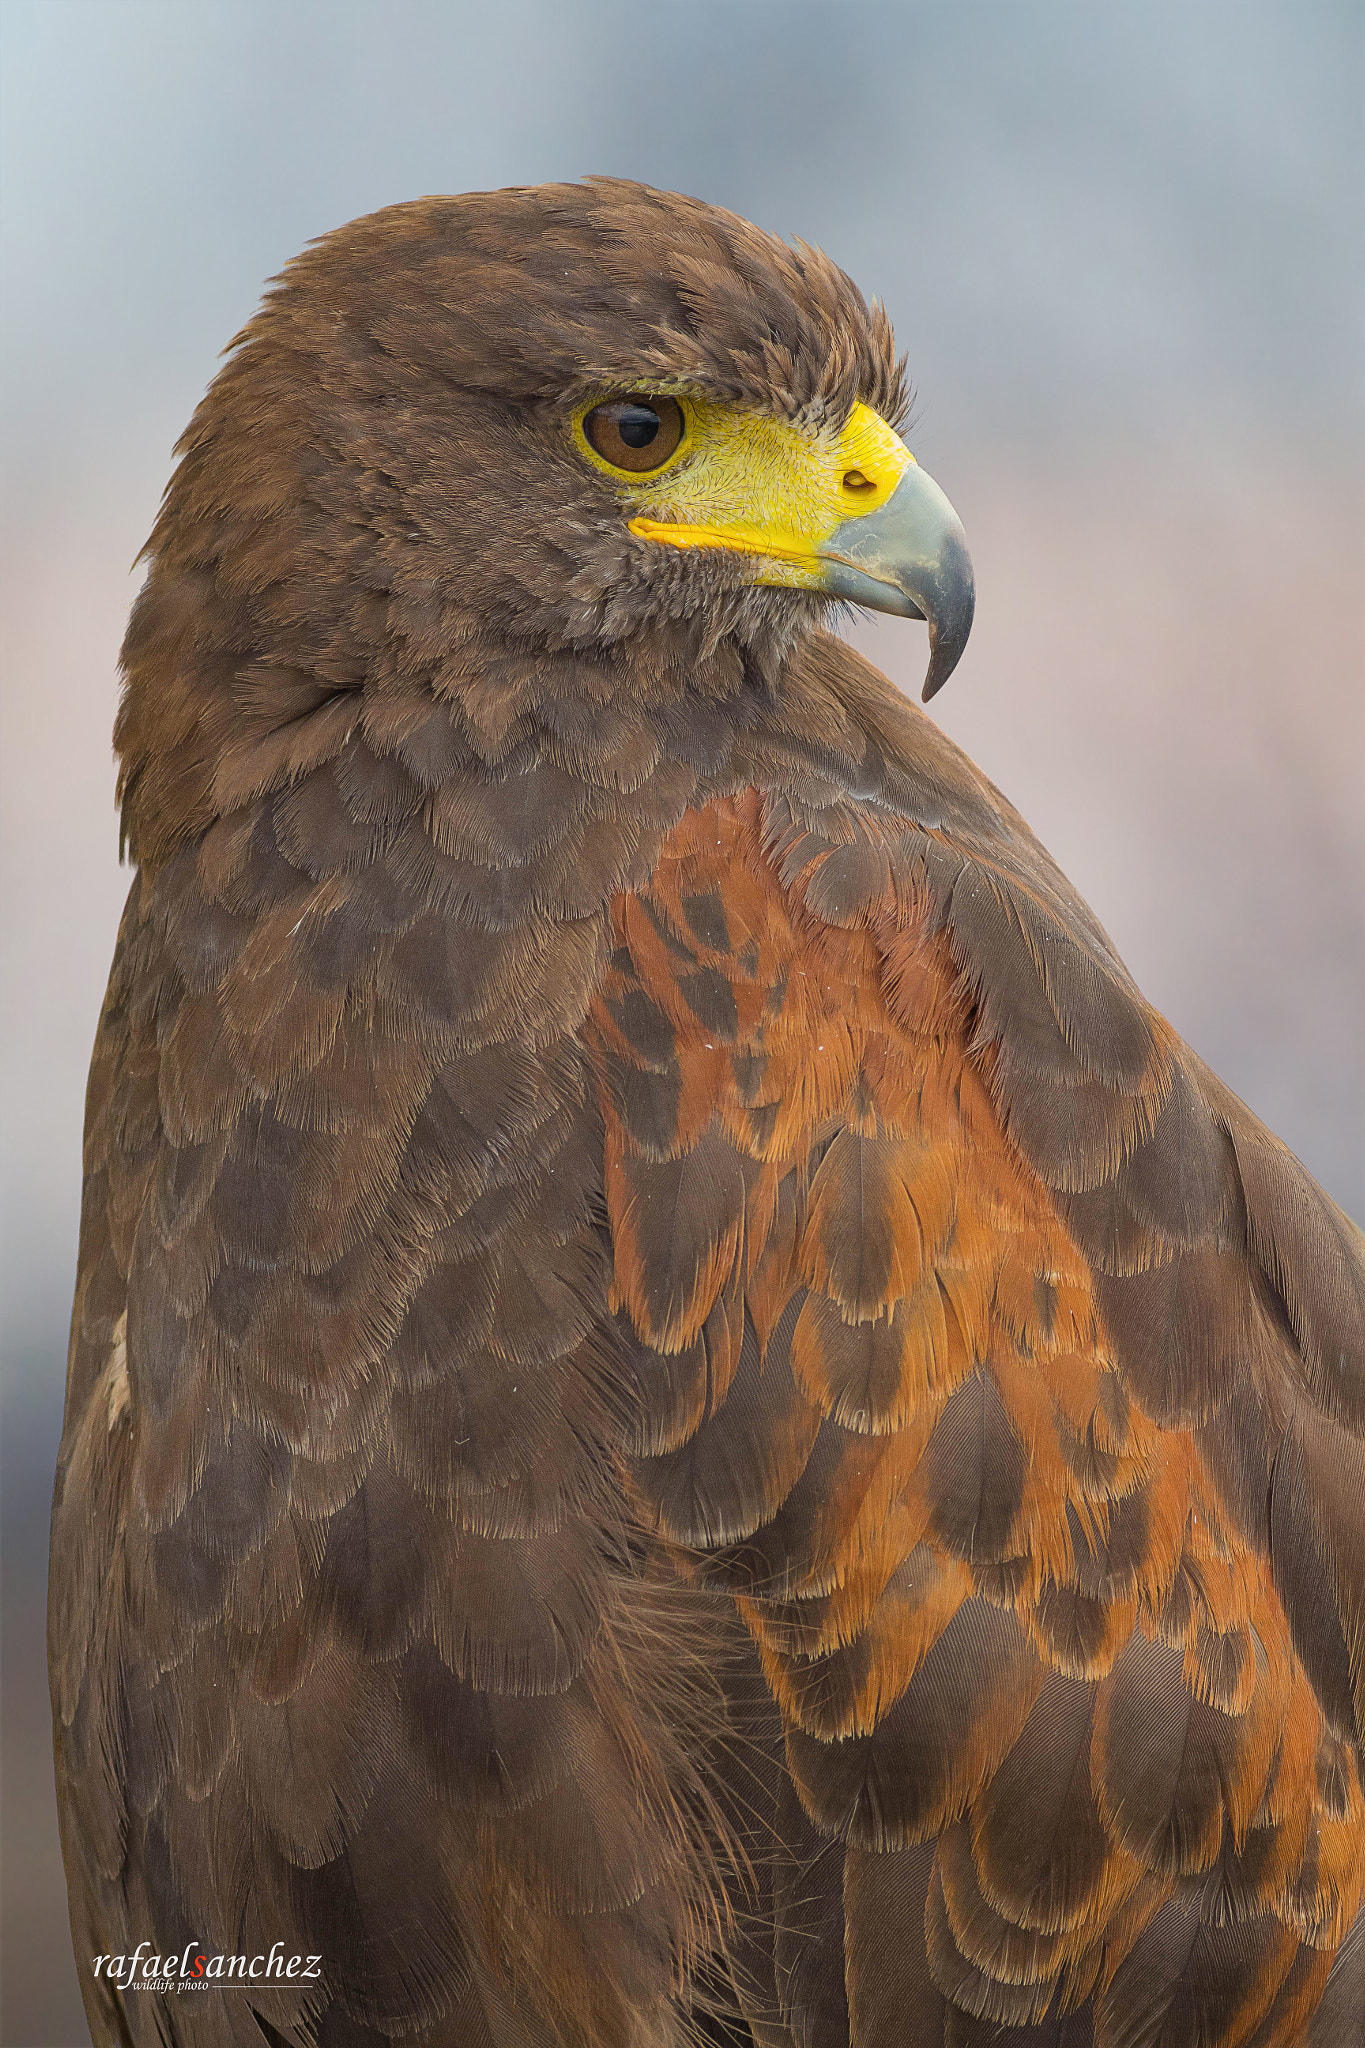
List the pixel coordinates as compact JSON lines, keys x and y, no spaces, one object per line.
{"x":854,"y":480}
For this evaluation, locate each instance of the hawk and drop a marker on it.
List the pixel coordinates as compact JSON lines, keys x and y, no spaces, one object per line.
{"x":687,"y":1420}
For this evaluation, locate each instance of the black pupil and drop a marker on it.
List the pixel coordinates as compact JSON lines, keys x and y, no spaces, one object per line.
{"x":637,"y":425}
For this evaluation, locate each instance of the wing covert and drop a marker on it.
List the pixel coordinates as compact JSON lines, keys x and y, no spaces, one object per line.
{"x":962,"y":1330}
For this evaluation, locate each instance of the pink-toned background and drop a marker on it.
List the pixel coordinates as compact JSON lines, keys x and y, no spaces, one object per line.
{"x":1118,"y":242}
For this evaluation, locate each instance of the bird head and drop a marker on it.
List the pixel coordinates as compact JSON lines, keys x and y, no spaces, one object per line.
{"x":588,"y":420}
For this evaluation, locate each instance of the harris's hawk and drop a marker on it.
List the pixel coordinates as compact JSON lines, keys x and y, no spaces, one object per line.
{"x":687,"y":1420}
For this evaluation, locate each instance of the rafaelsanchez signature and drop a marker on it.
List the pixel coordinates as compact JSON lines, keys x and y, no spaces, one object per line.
{"x":197,"y":1970}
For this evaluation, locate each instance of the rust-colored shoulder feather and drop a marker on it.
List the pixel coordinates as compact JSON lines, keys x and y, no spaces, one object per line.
{"x":1007,"y":1375}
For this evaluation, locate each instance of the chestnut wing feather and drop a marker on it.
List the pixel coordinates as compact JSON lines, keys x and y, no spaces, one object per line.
{"x":1009,"y":1378}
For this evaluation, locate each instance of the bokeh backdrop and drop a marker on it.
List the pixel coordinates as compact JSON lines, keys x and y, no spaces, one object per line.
{"x":1119,"y":242}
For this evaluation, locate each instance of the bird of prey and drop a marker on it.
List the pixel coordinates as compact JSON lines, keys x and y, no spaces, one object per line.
{"x":688,"y":1422}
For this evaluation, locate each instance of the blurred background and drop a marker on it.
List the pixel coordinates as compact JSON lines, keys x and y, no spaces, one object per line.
{"x":1121,"y":243}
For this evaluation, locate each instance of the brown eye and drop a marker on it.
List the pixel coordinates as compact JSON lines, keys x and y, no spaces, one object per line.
{"x":637,"y":433}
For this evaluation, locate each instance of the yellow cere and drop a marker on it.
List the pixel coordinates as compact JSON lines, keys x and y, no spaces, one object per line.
{"x":763,"y":486}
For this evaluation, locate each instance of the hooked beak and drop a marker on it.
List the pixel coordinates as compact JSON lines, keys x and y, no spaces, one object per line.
{"x":909,"y":557}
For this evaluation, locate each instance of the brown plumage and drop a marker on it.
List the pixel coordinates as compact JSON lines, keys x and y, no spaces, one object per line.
{"x":687,"y":1420}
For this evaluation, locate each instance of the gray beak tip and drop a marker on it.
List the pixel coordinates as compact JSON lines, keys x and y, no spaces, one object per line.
{"x":950,"y":623}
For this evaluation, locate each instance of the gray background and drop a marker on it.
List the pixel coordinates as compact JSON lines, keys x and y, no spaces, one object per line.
{"x":1117,"y":241}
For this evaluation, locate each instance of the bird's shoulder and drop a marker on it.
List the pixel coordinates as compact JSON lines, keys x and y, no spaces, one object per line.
{"x":856,"y":1012}
{"x":1008,"y":1372}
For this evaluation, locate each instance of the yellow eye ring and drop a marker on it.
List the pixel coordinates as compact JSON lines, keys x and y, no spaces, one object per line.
{"x":635,"y":436}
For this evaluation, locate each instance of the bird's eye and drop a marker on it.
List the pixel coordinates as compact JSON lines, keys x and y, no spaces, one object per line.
{"x":636,"y":433}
